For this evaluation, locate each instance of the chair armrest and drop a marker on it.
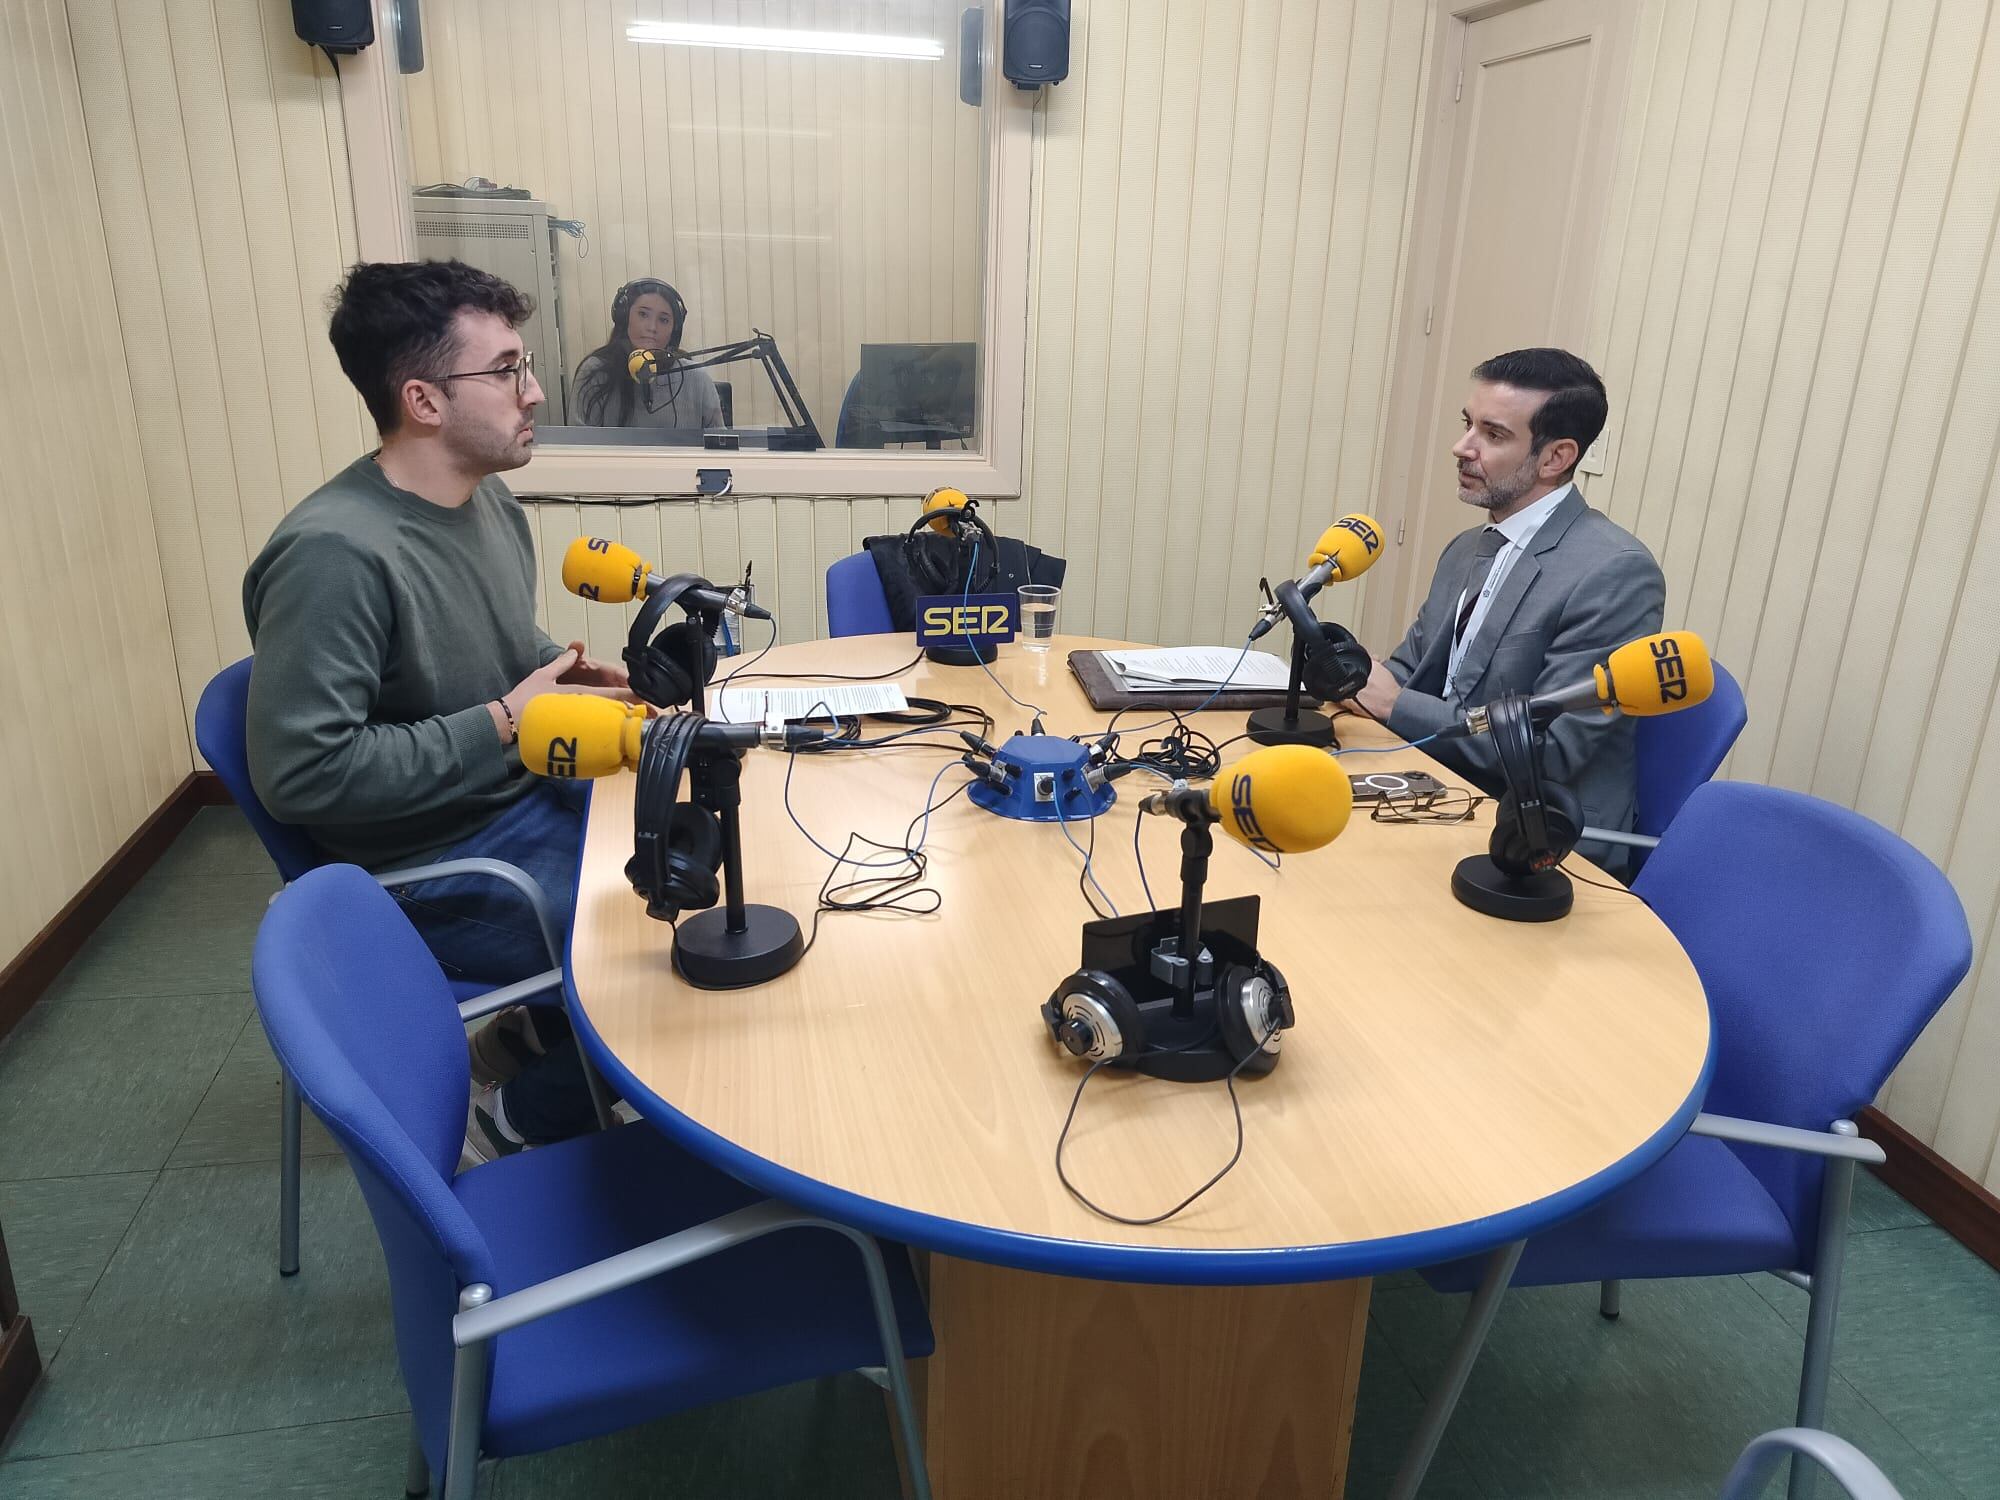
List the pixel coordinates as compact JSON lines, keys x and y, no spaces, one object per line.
{"x":494,"y":869}
{"x":1615,"y":836}
{"x":1787,"y":1138}
{"x":521,"y":992}
{"x":1853,"y":1469}
{"x":616,"y":1272}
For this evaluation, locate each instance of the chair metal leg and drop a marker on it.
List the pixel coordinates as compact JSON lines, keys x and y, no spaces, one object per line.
{"x":417,"y":1469}
{"x":600,"y":1096}
{"x":1471,"y":1337}
{"x":1829,"y":1256}
{"x":468,"y":1406}
{"x":289,"y":1112}
{"x":897,"y":1366}
{"x":1607,"y":1299}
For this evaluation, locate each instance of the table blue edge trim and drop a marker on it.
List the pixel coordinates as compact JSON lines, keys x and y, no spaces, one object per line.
{"x":1133,"y":1263}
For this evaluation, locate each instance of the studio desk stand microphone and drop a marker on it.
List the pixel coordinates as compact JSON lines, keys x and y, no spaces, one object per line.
{"x":1293,"y":724}
{"x":799,"y":434}
{"x":1173,"y":962}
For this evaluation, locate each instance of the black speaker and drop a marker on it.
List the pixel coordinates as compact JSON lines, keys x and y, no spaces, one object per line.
{"x":1035,"y":42}
{"x":337,"y":25}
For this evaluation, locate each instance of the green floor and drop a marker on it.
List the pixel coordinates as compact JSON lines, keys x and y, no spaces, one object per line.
{"x":138,"y":1187}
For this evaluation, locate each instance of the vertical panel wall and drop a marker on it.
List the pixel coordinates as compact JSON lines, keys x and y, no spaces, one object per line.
{"x":1798,"y":316}
{"x":93,"y":737}
{"x":215,"y":138}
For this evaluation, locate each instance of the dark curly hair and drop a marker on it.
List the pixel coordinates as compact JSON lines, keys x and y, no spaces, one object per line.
{"x":392,"y":322}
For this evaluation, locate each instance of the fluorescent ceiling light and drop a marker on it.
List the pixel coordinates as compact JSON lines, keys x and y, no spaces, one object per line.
{"x":781,"y":39}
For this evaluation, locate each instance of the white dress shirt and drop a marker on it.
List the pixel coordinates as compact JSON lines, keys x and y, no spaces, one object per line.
{"x":1519,"y":529}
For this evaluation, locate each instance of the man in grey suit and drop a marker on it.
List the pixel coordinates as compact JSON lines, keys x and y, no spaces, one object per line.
{"x":1532,"y":599}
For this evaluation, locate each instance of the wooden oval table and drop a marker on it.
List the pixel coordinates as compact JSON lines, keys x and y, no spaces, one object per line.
{"x":1452,"y":1085}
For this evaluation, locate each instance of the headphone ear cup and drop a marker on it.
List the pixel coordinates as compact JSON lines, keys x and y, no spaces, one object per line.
{"x":667,"y":682}
{"x":1508,"y":846}
{"x":1253,"y":1005}
{"x":1094,"y":1017}
{"x":1563,"y":815}
{"x":1513,"y":851}
{"x":694,"y":854}
{"x":1338,"y":665}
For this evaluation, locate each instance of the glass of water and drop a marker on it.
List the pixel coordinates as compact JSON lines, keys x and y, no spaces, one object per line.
{"x":1039,"y":602}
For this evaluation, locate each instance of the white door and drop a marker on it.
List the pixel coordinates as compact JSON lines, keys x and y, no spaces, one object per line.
{"x":1513,"y":190}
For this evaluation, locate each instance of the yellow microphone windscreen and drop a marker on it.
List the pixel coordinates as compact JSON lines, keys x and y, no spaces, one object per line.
{"x":1285,"y":799}
{"x":1353,"y":543}
{"x":567,"y":736}
{"x":945,"y":498}
{"x":598,"y":568}
{"x":643,"y":364}
{"x":1658,"y":674}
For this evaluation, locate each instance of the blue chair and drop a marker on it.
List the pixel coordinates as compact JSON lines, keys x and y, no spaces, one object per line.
{"x":1678,"y":752}
{"x":855,"y":601}
{"x":569,"y":1291}
{"x":1825,"y":944}
{"x":220,"y":732}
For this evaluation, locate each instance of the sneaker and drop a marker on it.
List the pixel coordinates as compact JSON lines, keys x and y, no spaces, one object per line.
{"x":488,"y":1137}
{"x":503,"y":1046}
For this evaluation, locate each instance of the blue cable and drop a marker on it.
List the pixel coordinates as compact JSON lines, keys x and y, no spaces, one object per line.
{"x":1220,"y":688}
{"x":1089,"y":874}
{"x":1385,"y":749}
{"x":965,"y":601}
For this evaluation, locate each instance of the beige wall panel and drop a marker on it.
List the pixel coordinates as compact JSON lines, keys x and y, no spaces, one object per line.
{"x":1800,"y":325}
{"x":81,"y":588}
{"x":216,"y":142}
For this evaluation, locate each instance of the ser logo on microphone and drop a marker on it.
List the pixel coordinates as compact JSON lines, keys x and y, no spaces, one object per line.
{"x":562,"y":759}
{"x":1246,"y":816}
{"x":1670,"y":669}
{"x":1370,"y":537}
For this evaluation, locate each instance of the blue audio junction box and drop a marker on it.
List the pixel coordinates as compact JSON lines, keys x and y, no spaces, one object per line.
{"x":1044,"y":774}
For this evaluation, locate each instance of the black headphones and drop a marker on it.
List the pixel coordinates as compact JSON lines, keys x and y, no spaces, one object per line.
{"x":1337,"y":665}
{"x":1536,"y":825}
{"x":676,"y":845}
{"x":1093,"y":1016}
{"x":632,"y":291}
{"x":666,"y":668}
{"x":940,"y":564}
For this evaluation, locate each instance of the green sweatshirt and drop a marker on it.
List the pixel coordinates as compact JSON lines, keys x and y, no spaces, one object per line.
{"x":383,"y":625}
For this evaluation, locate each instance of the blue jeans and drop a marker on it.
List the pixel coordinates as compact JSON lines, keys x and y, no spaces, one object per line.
{"x":482,"y":930}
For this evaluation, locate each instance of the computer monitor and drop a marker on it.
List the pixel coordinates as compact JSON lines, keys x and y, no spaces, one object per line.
{"x":922,"y":392}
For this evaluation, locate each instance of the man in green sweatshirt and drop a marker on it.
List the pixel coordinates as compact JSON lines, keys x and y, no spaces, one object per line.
{"x":392,"y":613}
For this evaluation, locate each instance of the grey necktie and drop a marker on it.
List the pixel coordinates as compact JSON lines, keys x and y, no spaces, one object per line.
{"x":1491,"y":540}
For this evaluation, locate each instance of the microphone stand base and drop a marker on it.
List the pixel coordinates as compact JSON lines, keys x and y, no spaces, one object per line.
{"x":1486,"y":888}
{"x":1278,"y":726}
{"x":961,"y":655}
{"x":711,"y":957}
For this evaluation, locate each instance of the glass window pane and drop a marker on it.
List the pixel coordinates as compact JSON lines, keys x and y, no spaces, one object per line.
{"x":765,"y":215}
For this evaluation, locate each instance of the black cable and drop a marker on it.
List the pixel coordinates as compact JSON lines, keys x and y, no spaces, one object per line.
{"x":1235,"y":1105}
{"x":1623,"y":890}
{"x":819,"y":676}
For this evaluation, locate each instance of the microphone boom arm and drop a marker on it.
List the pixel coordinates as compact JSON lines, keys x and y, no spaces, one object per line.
{"x":762,"y":348}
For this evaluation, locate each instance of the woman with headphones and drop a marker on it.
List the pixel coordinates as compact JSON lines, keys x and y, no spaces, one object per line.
{"x":617,"y":388}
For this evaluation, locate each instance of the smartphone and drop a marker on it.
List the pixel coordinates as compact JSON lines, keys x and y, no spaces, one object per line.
{"x":1395,"y":786}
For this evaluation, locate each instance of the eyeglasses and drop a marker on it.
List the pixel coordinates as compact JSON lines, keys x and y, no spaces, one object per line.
{"x":1449,"y":806}
{"x":520,"y":370}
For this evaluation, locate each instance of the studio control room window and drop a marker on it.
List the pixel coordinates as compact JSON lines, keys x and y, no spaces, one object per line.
{"x":749,"y":226}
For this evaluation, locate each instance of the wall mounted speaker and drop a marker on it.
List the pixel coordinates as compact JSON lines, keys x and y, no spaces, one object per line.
{"x":337,"y":25}
{"x":1035,"y":42}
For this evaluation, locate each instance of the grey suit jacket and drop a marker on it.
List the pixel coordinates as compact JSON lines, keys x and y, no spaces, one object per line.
{"x":1585,"y":586}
